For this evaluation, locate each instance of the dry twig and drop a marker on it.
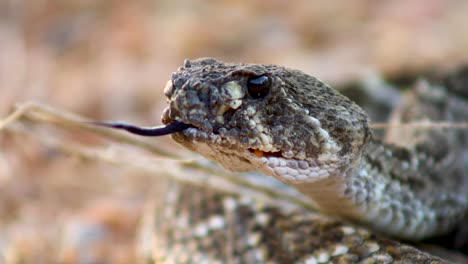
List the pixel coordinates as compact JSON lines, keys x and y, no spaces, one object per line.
{"x":169,"y":165}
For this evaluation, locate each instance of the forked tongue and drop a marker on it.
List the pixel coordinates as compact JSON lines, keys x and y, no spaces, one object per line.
{"x":145,"y":131}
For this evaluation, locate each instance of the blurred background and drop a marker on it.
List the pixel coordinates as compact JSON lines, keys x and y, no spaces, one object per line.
{"x":110,"y":59}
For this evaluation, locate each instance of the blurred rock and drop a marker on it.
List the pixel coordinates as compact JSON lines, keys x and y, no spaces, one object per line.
{"x":100,"y":233}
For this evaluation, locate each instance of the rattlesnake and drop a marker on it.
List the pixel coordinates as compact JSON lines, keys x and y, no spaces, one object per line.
{"x":293,"y":127}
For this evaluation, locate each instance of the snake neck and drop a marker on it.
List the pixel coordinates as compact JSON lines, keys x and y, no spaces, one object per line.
{"x":378,"y":195}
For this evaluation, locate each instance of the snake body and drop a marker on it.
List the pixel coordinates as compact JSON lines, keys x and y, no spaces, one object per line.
{"x":293,"y":127}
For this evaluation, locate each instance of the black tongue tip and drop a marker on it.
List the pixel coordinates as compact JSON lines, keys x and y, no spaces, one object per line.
{"x":145,"y":131}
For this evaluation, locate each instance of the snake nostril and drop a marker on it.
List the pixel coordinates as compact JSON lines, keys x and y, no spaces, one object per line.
{"x":225,"y":114}
{"x":229,"y":114}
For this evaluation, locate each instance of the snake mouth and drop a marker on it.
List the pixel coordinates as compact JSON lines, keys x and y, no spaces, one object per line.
{"x":261,"y":154}
{"x":178,"y":126}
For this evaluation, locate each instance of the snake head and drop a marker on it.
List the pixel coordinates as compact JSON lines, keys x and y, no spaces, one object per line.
{"x":263,"y":117}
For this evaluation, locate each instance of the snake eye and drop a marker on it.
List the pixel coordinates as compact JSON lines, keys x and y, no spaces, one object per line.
{"x":258,"y":87}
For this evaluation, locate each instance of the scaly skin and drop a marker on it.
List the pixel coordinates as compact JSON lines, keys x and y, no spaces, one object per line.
{"x":309,"y":136}
{"x":188,"y":224}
